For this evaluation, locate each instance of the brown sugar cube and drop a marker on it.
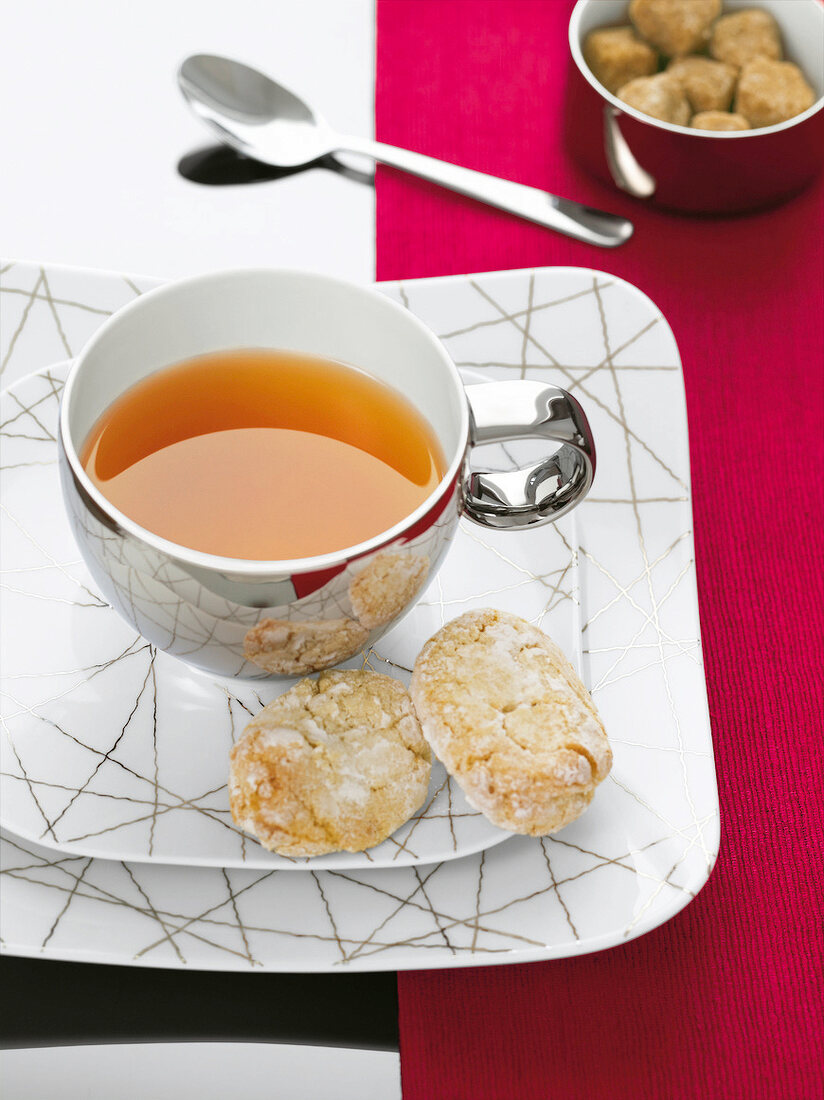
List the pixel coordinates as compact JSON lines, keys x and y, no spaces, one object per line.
{"x":708,"y":85}
{"x":675,"y":27}
{"x":719,"y":120}
{"x":660,"y":96}
{"x":617,"y":55}
{"x":772,"y":91}
{"x":743,"y":35}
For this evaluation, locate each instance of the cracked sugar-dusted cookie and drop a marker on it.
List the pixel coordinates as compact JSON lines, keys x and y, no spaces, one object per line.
{"x":388,"y":584}
{"x":335,"y":764}
{"x":505,"y":711}
{"x":293,"y":648}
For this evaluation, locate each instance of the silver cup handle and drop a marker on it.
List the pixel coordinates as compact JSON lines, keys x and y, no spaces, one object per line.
{"x":541,"y":493}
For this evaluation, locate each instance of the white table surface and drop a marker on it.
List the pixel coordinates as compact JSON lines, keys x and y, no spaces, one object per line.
{"x":208,"y":1071}
{"x":93,"y":126}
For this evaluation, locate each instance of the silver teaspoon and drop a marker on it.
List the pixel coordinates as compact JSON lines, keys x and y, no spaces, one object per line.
{"x":251,"y":112}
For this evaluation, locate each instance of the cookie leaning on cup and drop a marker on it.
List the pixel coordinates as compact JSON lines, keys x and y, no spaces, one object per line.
{"x":506,"y":713}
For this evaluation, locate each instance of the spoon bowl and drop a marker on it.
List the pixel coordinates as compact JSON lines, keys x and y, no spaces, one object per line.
{"x":253,"y":113}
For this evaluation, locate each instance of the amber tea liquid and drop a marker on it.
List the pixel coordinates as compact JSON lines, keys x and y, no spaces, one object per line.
{"x":263,"y":455}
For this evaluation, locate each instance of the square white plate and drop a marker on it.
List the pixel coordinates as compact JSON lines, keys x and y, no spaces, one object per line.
{"x":648,"y":842}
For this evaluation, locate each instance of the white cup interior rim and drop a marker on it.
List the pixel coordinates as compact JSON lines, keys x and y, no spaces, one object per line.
{"x":712,"y":135}
{"x":246,"y":566}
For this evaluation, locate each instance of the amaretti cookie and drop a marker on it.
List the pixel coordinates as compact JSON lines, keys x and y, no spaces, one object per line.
{"x":292,"y":648}
{"x":675,"y":27}
{"x":337,"y":763}
{"x":617,"y":55}
{"x":660,"y":96}
{"x":506,"y":713}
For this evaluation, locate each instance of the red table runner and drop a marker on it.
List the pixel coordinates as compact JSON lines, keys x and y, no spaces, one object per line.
{"x":722,"y":1001}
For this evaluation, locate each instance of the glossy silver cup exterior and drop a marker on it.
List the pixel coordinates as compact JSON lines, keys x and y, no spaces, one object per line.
{"x":696,"y":171}
{"x":240,"y":618}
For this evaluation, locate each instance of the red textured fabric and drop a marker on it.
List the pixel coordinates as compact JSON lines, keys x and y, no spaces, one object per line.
{"x":724,"y":1000}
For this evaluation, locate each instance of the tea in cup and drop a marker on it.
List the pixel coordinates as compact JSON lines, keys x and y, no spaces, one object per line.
{"x":263,"y":469}
{"x":231,"y":454}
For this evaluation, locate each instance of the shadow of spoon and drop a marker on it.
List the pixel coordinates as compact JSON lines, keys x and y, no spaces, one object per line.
{"x":222,"y":166}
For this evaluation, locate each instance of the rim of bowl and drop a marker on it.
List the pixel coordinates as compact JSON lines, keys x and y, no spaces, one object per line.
{"x":254,"y":566}
{"x":625,"y":108}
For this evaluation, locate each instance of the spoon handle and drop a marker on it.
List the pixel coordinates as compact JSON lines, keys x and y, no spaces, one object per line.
{"x":563,"y":215}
